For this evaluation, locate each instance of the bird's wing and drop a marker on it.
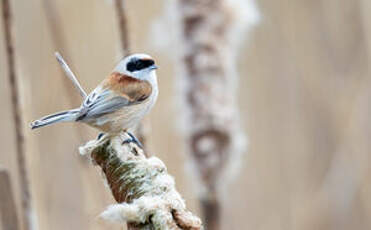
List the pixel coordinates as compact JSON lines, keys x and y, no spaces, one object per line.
{"x":111,"y":97}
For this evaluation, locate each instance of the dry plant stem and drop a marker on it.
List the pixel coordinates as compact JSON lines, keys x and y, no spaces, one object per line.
{"x":211,"y":213}
{"x":215,"y":140}
{"x":27,"y":211}
{"x":141,"y":130}
{"x":8,"y":210}
{"x":122,"y":21}
{"x":144,"y":190}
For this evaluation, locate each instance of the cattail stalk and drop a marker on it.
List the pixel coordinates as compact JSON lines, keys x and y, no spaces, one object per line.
{"x":123,"y":26}
{"x":210,"y":31}
{"x":8,"y":211}
{"x":28,"y":214}
{"x":120,"y":10}
{"x":144,"y":191}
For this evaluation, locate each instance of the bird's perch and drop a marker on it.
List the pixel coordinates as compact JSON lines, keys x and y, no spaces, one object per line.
{"x":142,"y":187}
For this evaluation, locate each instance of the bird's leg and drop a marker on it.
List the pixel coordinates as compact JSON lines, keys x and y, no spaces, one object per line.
{"x":136,"y":141}
{"x":132,"y":139}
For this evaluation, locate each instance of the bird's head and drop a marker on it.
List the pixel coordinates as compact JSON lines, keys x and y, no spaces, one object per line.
{"x":139,"y":66}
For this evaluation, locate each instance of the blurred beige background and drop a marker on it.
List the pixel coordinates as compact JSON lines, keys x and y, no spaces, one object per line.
{"x":304,"y":97}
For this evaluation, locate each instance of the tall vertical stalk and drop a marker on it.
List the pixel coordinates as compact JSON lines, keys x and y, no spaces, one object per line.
{"x":8,"y":211}
{"x":123,"y":26}
{"x":120,"y":10}
{"x":28,"y":214}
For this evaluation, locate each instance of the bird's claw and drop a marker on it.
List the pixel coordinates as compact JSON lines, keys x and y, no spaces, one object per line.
{"x":100,"y":135}
{"x":132,"y":139}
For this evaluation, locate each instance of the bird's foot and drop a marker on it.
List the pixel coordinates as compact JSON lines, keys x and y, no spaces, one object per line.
{"x":132,"y":139}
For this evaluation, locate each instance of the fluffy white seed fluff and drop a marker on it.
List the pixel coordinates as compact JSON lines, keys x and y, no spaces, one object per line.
{"x":160,"y":197}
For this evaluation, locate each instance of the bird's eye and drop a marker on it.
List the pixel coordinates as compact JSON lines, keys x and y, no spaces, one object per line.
{"x":139,"y":64}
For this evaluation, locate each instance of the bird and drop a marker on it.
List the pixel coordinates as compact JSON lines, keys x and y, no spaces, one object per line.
{"x":119,"y":102}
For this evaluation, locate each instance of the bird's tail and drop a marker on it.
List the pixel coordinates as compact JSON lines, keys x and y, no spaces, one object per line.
{"x":69,"y":115}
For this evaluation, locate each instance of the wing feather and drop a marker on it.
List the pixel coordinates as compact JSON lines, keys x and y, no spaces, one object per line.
{"x":116,"y":92}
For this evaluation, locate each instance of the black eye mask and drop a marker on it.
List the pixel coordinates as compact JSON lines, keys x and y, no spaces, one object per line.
{"x":139,"y":64}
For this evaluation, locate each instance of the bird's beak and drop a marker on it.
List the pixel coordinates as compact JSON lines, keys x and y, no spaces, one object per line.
{"x":153,"y":67}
